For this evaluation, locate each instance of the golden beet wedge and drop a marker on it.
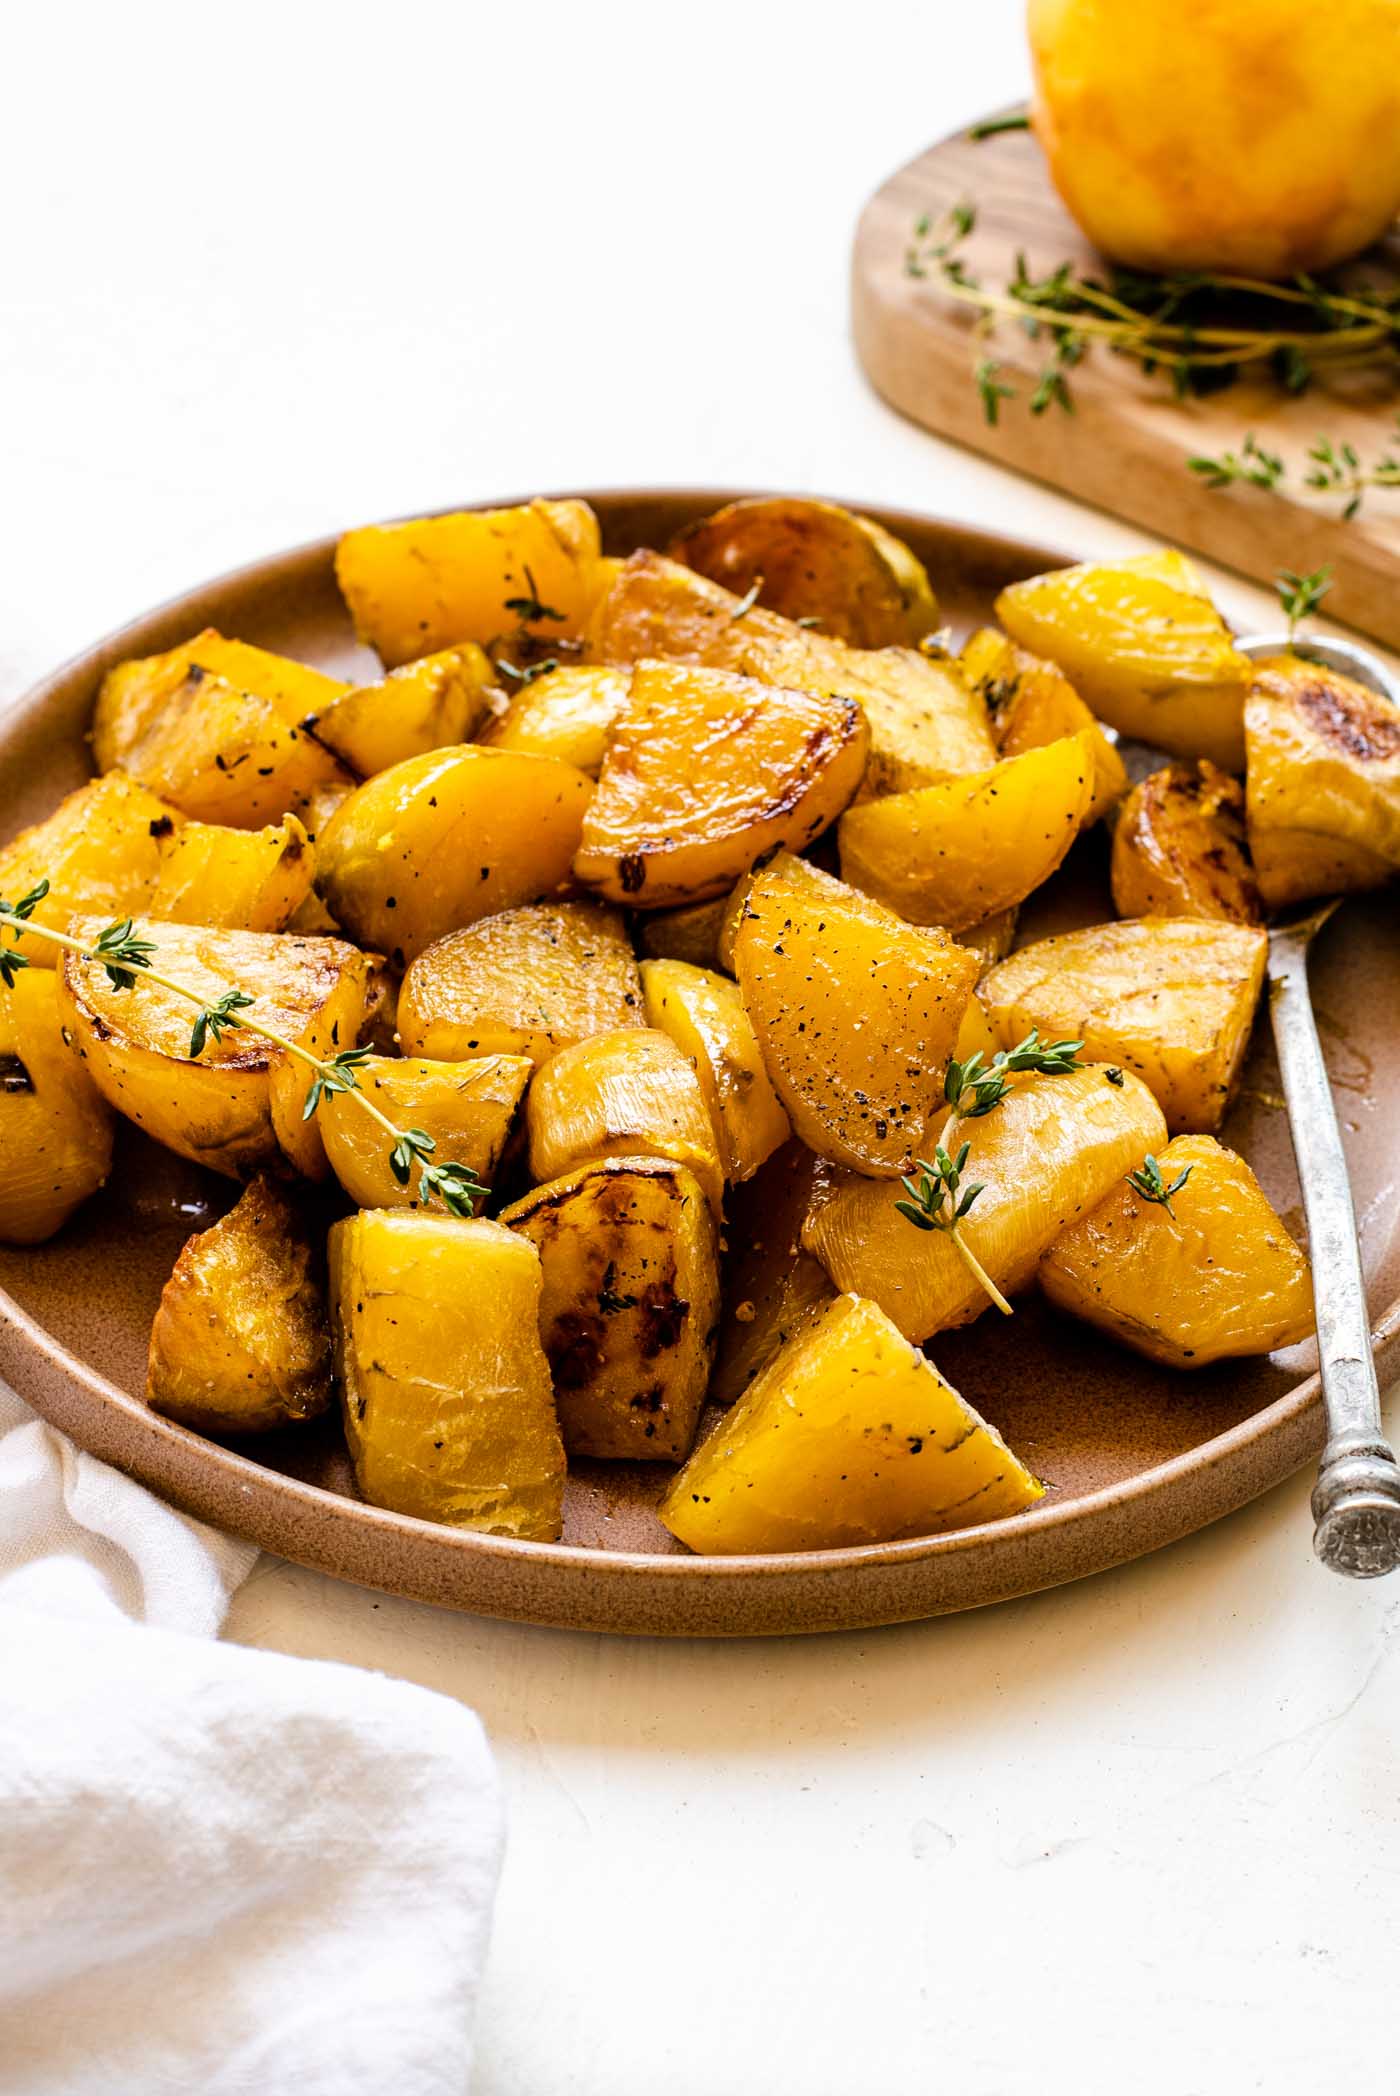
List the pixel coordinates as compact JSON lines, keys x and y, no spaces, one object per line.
{"x":223,"y":755}
{"x":1172,"y":998}
{"x":1141,"y":641}
{"x":815,"y":560}
{"x":704,"y":773}
{"x":1051,"y":1150}
{"x":630,"y":1303}
{"x":466,"y":1107}
{"x":705,"y":1017}
{"x":441,"y":840}
{"x":523,"y":982}
{"x":237,"y":880}
{"x":855,"y":1012}
{"x":1031,"y":703}
{"x":238,"y":1105}
{"x":112,"y":847}
{"x":100,"y":850}
{"x":1216,"y":1277}
{"x":55,"y":1126}
{"x":427,"y":705}
{"x":622,"y":1095}
{"x":968,"y":848}
{"x":770,"y":1283}
{"x":241,"y":1342}
{"x":848,"y":1436}
{"x":135,"y":694}
{"x":445,"y":1390}
{"x":1323,"y":783}
{"x":1179,"y":849}
{"x":566,"y":713}
{"x":924,"y":718}
{"x":477,"y":575}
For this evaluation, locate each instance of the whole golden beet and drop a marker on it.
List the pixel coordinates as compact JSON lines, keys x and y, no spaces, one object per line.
{"x":1257,"y":136}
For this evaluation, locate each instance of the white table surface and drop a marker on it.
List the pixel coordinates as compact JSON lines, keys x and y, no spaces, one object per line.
{"x":274,"y":270}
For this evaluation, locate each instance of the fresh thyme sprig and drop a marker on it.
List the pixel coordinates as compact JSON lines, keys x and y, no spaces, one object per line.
{"x":124,"y":954}
{"x":1300,"y":595}
{"x":1149,"y":1184}
{"x":1337,"y":469}
{"x":1333,"y":469}
{"x":529,"y":610}
{"x":974,"y":1087}
{"x":1187,"y":325}
{"x":1251,"y":464}
{"x":938,"y":1200}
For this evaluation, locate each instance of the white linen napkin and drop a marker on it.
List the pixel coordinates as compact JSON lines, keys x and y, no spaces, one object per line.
{"x":220,"y":1870}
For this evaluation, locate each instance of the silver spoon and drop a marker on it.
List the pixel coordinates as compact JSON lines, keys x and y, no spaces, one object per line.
{"x":1356,"y":1501}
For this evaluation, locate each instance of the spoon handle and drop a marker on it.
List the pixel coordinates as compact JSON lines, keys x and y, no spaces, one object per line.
{"x":1356,"y":1503}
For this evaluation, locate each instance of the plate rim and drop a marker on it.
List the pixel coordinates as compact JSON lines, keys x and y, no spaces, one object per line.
{"x":25,"y":1345}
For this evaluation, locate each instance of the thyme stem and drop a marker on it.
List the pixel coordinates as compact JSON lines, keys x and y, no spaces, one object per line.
{"x":978,"y":1271}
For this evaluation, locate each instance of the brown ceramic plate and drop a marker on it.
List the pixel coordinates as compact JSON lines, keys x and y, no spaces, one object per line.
{"x":1135,"y":1456}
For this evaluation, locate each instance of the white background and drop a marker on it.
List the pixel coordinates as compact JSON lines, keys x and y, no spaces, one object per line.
{"x":266,"y":271}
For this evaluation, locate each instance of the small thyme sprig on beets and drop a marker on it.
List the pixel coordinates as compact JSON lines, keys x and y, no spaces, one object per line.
{"x":938,"y":1200}
{"x":529,"y":610}
{"x":125,"y":955}
{"x":974,"y":1087}
{"x":1149,"y":1185}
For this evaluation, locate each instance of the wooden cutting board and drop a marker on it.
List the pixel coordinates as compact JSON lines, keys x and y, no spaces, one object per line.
{"x":1126,"y":444}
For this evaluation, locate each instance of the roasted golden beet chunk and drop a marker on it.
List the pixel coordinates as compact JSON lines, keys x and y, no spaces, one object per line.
{"x":55,"y":1125}
{"x":1141,"y":641}
{"x":1212,"y":1276}
{"x":1179,"y":849}
{"x":523,"y":982}
{"x":704,"y":773}
{"x":444,"y":839}
{"x":814,"y":560}
{"x":1170,"y":997}
{"x":856,"y":1013}
{"x":848,"y":1436}
{"x":630,"y":1304}
{"x":241,"y":1343}
{"x":445,"y":1390}
{"x":1323,"y":782}
{"x":970,"y":848}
